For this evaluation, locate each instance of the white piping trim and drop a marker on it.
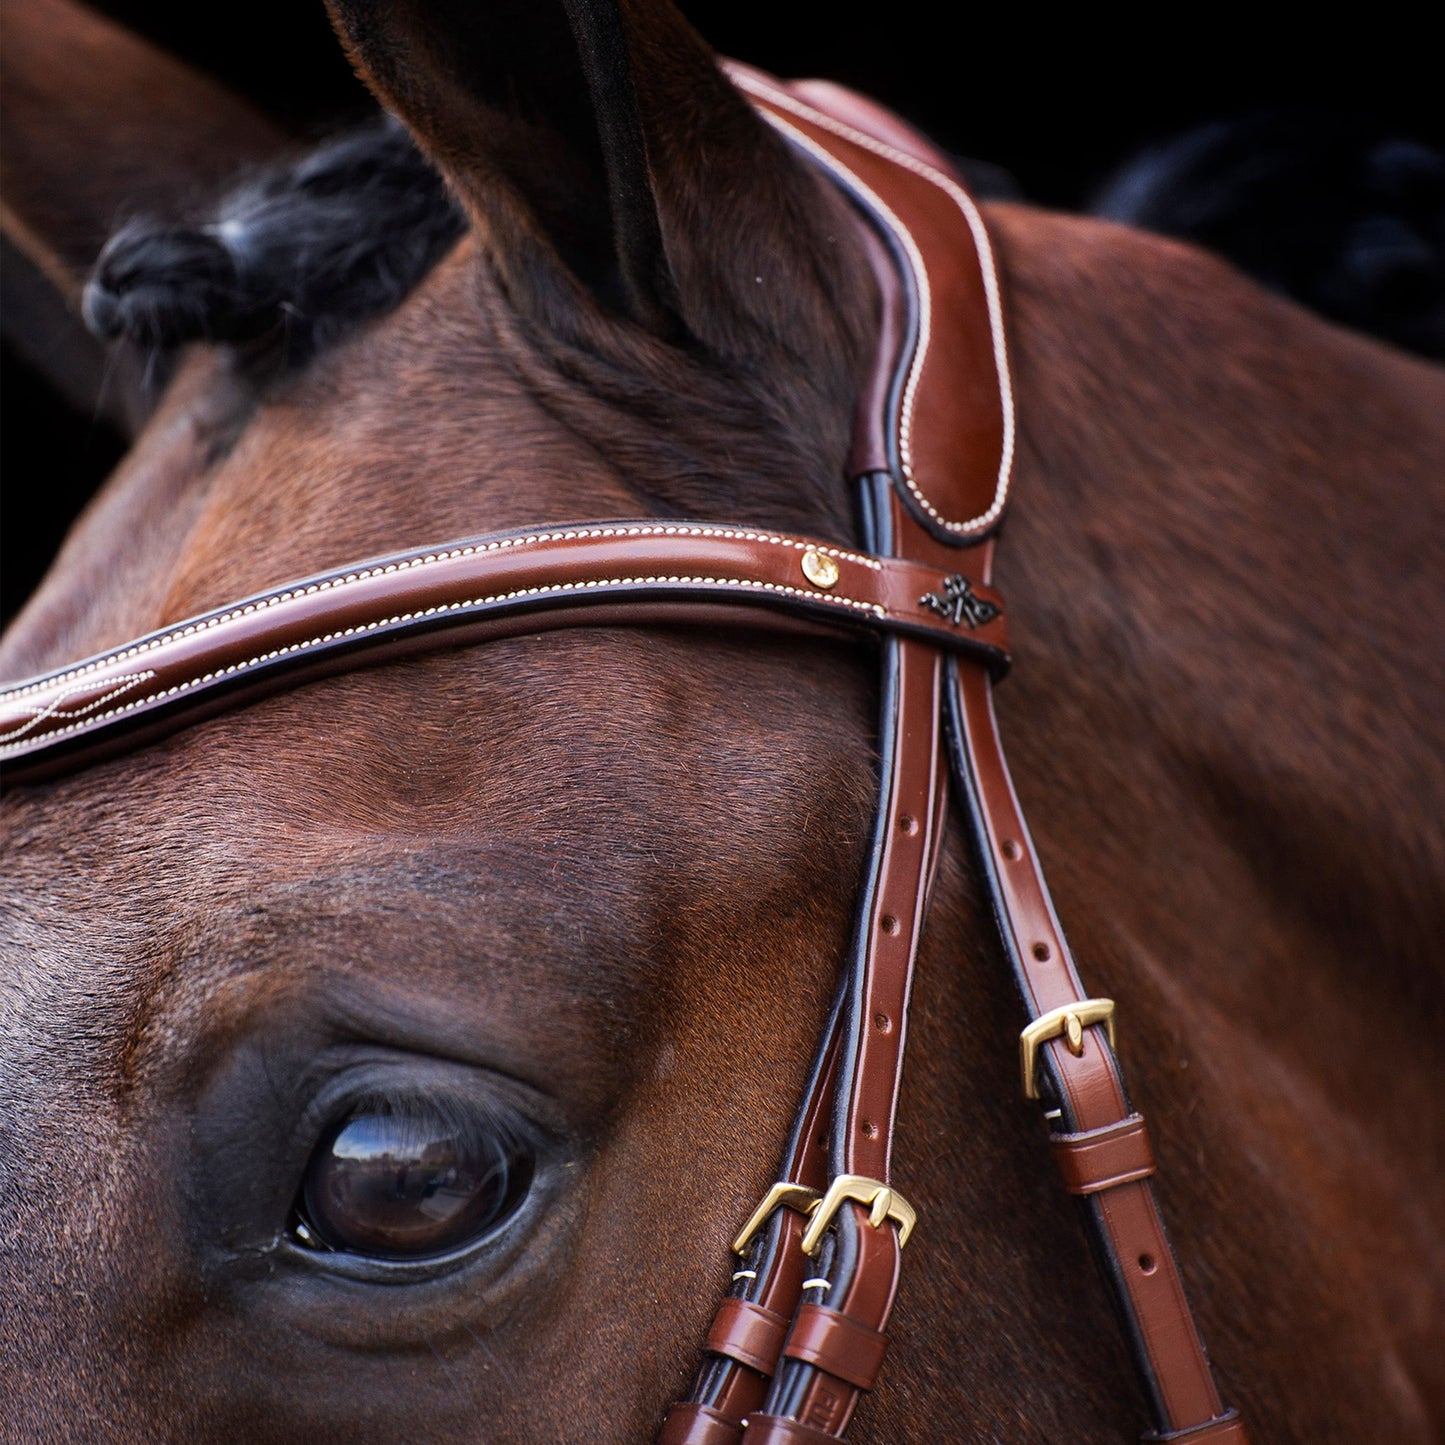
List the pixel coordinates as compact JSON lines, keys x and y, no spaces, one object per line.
{"x":988,"y":269}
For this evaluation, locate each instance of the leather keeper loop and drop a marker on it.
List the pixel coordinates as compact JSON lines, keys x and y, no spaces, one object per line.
{"x":749,"y":1334}
{"x":694,"y":1424}
{"x":1225,"y":1429}
{"x":1104,"y":1158}
{"x":775,"y":1430}
{"x":837,"y":1345}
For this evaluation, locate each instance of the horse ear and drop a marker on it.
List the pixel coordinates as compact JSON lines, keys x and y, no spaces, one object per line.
{"x":96,"y":123}
{"x":600,"y":133}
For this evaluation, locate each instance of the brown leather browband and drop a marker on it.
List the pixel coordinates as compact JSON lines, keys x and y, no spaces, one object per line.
{"x":800,"y":1334}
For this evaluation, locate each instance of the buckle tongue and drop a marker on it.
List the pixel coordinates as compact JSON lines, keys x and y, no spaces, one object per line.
{"x":1067,"y":1023}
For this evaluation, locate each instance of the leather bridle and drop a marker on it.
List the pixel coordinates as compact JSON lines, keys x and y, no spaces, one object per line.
{"x":799,"y":1336}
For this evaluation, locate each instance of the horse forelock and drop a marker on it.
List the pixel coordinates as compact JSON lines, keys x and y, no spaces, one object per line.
{"x":287,"y":259}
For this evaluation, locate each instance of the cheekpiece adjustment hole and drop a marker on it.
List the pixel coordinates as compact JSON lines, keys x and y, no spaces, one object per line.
{"x":1043,"y":952}
{"x":882,"y":1023}
{"x":870,"y":1129}
{"x":889,"y":923}
{"x":1011,"y":850}
{"x":1148,"y":1263}
{"x":907,"y":823}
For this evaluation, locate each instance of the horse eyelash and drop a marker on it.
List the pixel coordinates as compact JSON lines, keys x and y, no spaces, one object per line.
{"x":474,"y":1121}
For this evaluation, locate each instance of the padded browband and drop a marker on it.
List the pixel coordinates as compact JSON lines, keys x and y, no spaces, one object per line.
{"x":617,"y":572}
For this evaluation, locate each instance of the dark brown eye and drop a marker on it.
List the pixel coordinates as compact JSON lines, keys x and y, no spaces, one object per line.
{"x":395,"y":1186}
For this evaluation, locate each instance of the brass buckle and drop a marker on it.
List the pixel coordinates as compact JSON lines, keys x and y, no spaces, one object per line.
{"x":1067,"y":1022}
{"x":886,"y":1202}
{"x":793,"y":1196}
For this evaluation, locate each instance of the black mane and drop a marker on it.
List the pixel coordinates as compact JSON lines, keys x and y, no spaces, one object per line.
{"x":1342,"y":214}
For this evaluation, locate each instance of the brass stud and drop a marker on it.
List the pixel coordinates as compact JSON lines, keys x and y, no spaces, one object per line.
{"x":820,"y":569}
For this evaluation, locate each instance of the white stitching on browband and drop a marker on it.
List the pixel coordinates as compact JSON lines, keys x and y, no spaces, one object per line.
{"x":987,"y":268}
{"x":53,"y":708}
{"x":415,"y":560}
{"x":236,"y":668}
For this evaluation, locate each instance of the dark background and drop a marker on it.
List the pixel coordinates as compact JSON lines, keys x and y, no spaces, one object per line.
{"x":1058,"y":99}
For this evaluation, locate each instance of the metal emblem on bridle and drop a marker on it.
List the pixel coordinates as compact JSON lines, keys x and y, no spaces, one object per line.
{"x":957,"y":603}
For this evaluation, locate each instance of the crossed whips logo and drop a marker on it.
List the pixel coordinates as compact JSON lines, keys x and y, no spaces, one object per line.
{"x":956,"y":602}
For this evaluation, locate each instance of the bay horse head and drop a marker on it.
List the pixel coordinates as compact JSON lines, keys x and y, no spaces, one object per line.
{"x":558,"y":920}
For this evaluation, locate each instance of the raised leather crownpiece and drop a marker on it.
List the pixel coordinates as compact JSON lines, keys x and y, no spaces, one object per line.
{"x":947,"y":428}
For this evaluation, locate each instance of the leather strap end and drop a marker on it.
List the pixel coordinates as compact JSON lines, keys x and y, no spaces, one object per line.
{"x":693,"y":1424}
{"x":1225,"y":1429}
{"x":1104,"y":1158}
{"x":836,"y":1344}
{"x":775,"y":1430}
{"x":749,"y":1334}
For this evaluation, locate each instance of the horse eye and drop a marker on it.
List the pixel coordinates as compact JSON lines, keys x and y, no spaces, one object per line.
{"x":405,"y":1187}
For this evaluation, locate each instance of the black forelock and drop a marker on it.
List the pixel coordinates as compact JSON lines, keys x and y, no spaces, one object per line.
{"x":296,"y":253}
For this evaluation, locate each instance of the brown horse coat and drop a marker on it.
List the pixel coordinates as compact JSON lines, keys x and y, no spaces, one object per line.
{"x":602,"y":879}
